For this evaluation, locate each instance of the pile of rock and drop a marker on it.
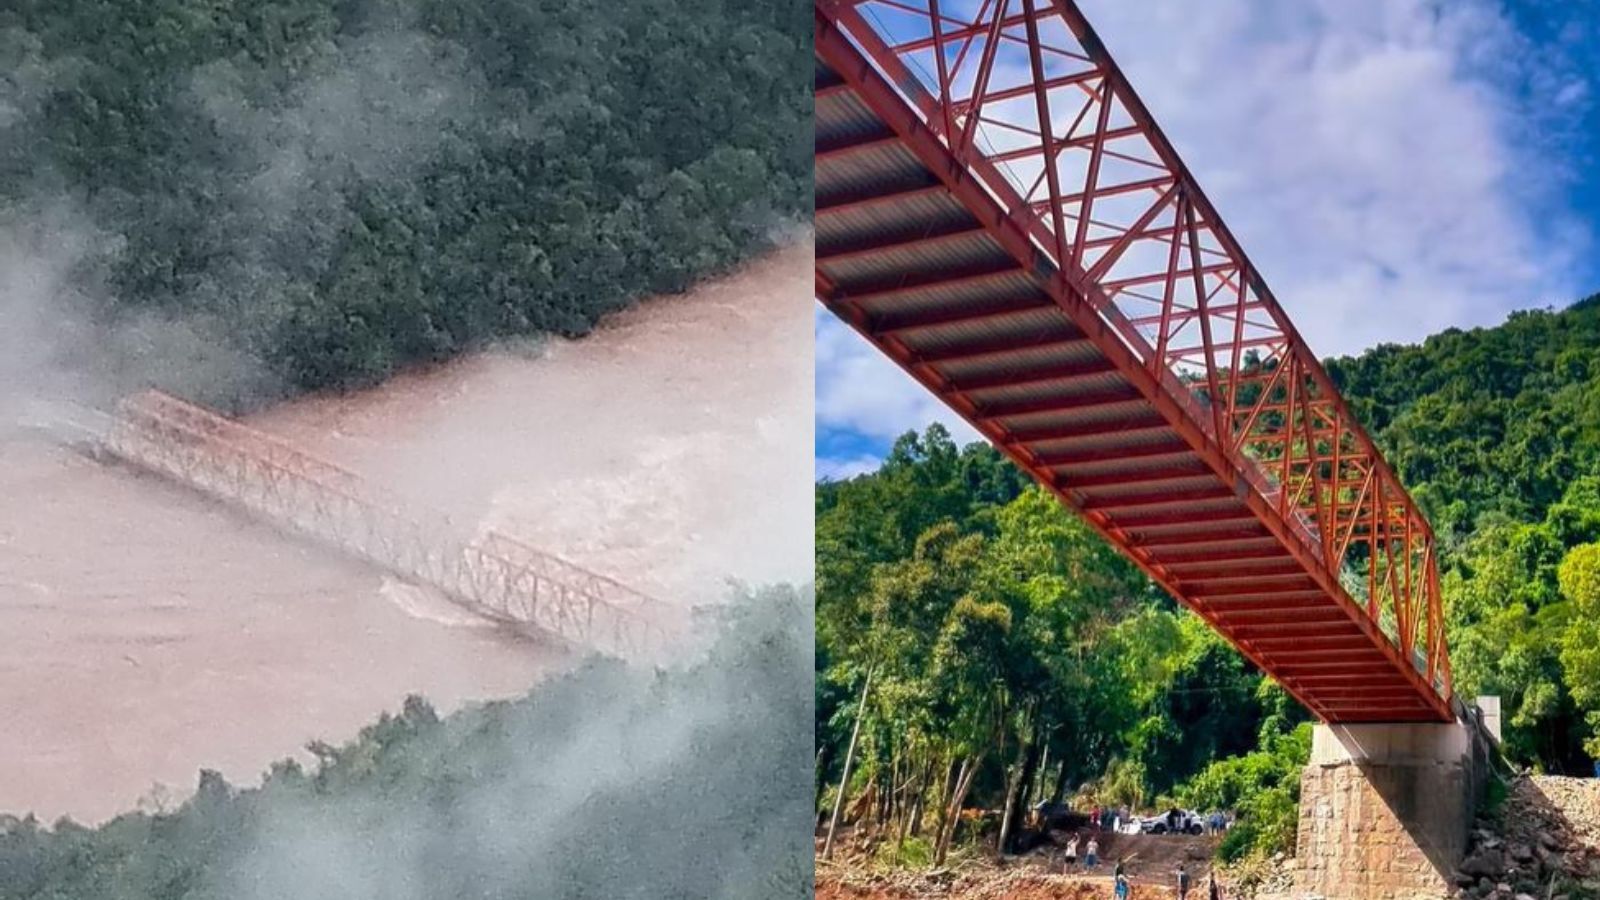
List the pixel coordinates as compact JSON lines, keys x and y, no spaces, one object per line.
{"x":1542,"y":842}
{"x":1260,"y":878}
{"x":1577,"y":800}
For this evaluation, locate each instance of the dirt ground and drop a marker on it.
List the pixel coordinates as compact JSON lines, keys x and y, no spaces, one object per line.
{"x":1150,"y":861}
{"x":1024,"y":887}
{"x":986,"y":883}
{"x":1146,"y":858}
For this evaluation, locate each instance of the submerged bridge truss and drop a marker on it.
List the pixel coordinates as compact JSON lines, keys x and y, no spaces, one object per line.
{"x":491,"y":574}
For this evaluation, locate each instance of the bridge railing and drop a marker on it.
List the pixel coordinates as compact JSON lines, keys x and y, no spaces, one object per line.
{"x":494,"y":575}
{"x":1023,"y":95}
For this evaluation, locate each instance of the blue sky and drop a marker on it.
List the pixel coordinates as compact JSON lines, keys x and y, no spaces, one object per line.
{"x":1394,"y":167}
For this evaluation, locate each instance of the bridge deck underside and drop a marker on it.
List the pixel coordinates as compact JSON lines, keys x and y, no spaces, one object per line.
{"x":902,"y":260}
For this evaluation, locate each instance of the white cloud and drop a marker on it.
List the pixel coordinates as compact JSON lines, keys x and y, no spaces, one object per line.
{"x":1372,"y":156}
{"x":844,"y":468}
{"x":1389,"y":165}
{"x":860,"y":389}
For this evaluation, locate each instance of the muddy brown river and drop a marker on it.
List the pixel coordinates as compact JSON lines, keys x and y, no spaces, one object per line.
{"x":150,"y":632}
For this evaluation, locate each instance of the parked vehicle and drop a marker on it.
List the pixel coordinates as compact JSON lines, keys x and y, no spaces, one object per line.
{"x":1173,"y":821}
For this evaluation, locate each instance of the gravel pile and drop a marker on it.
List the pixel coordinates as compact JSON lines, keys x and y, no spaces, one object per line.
{"x":1542,"y":842}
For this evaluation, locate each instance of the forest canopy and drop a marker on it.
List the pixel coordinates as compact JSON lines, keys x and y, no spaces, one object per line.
{"x":332,"y":189}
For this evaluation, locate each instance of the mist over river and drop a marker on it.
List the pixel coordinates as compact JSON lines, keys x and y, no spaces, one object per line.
{"x":150,"y":632}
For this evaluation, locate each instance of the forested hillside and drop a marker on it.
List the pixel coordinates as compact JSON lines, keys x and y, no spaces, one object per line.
{"x":1013,"y":657}
{"x":559,"y":794}
{"x":1496,"y":431}
{"x":331,"y":189}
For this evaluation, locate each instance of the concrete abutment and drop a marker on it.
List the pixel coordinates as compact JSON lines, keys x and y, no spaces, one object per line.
{"x":1385,"y":809}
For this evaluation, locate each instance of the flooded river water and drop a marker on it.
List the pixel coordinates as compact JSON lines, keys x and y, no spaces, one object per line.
{"x":150,"y":632}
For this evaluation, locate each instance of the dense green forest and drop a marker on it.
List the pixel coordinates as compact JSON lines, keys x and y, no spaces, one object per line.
{"x":1007,"y":656}
{"x":1497,"y":433}
{"x":562,"y":793}
{"x":331,"y":189}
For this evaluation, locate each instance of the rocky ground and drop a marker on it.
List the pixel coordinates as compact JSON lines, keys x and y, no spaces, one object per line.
{"x":1260,"y":878}
{"x":1541,"y":843}
{"x":979,"y":882}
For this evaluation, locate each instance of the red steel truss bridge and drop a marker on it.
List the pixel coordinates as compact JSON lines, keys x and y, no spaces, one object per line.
{"x":491,"y":574}
{"x":1000,"y":215}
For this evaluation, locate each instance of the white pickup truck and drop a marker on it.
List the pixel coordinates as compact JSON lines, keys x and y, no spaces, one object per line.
{"x":1174,"y":821}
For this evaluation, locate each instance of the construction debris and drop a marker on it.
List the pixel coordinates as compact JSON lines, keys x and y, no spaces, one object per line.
{"x":1542,"y":842}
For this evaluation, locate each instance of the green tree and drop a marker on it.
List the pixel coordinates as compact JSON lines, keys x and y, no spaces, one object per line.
{"x":1580,"y":644}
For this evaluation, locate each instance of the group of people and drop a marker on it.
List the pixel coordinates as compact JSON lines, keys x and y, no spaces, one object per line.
{"x":1119,"y":877}
{"x":1108,"y":818}
{"x":1213,"y":887}
{"x":1121,"y":887}
{"x":1112,"y":819}
{"x":1091,"y":855}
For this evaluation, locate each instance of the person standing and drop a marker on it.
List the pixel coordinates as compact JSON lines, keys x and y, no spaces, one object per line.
{"x":1183,"y":882}
{"x":1092,"y":853}
{"x":1213,"y":889}
{"x":1070,"y":858}
{"x":1094,"y":817}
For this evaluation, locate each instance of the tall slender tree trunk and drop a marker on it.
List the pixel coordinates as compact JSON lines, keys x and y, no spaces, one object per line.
{"x":908,"y":802}
{"x":947,"y":790}
{"x":849,"y":760}
{"x":922,"y":795}
{"x":821,"y":766}
{"x":950,"y":813}
{"x":1002,"y":843}
{"x":1036,"y":790}
{"x":1017,"y":790}
{"x":886,"y":803}
{"x":1061,"y":783}
{"x":969,"y":771}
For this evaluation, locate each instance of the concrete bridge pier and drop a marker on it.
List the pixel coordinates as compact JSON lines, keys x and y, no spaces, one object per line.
{"x":1385,"y":809}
